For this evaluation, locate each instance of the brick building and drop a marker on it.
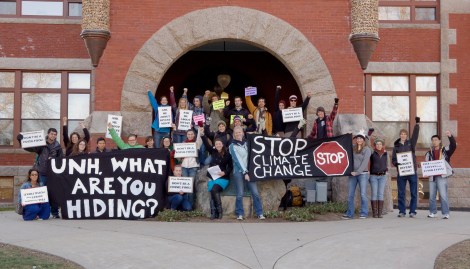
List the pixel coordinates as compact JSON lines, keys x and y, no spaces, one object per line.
{"x":419,"y":67}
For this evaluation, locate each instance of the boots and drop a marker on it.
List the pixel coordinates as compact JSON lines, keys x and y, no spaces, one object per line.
{"x":218,"y":204}
{"x":380,"y":206}
{"x":374,"y":208}
{"x":213,"y":210}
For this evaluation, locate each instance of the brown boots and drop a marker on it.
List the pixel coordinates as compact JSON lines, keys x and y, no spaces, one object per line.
{"x":377,"y":208}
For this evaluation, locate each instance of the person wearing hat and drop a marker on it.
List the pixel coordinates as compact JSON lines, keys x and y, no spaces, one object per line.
{"x":359,"y":176}
{"x":378,"y":177}
{"x":238,"y":110}
{"x":278,"y":125}
{"x":323,"y":124}
{"x":290,"y":126}
{"x":263,"y":119}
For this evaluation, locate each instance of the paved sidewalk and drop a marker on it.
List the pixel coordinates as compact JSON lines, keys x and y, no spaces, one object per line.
{"x":390,"y":242}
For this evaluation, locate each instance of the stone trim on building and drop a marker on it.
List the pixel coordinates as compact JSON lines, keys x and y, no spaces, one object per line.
{"x":403,"y":68}
{"x":44,"y":64}
{"x":40,"y":21}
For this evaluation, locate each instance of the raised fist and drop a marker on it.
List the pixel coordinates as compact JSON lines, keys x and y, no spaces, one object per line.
{"x":185,"y":90}
{"x":278,"y":87}
{"x":227,"y":103}
{"x":19,"y":137}
{"x":309,"y":94}
{"x":371,"y":130}
{"x":417,"y":119}
{"x":448,"y":134}
{"x":336,"y":100}
{"x":207,"y":93}
{"x":172,"y":89}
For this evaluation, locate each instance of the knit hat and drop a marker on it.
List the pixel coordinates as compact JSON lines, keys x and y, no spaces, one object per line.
{"x":377,"y":140}
{"x":320,"y":108}
{"x":237,"y":118}
{"x":292,"y":98}
{"x":221,"y":122}
{"x":360,"y":134}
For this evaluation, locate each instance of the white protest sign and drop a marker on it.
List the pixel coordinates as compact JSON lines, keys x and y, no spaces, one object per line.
{"x":33,"y":139}
{"x":180,"y":184}
{"x":218,"y":104}
{"x":185,"y":119}
{"x":116,"y":121}
{"x":292,"y":114}
{"x":199,"y":118}
{"x":434,"y":168}
{"x":406,"y":167}
{"x":183,"y":150}
{"x":250,"y":91}
{"x":214,"y":171}
{"x":34,"y":195}
{"x":164,"y":116}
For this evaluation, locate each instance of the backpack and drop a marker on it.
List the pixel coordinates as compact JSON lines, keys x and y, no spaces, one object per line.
{"x":297,"y":199}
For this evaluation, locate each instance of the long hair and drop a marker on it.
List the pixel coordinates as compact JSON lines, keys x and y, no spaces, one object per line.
{"x":358,"y":148}
{"x":75,"y":150}
{"x":28,"y":179}
{"x":71,"y":144}
{"x":179,"y":103}
{"x":224,"y":150}
{"x":161,"y":141}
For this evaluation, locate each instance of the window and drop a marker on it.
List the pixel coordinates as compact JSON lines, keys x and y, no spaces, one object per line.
{"x":409,"y":10}
{"x":44,"y":8}
{"x":392,"y":102}
{"x":40,"y":100}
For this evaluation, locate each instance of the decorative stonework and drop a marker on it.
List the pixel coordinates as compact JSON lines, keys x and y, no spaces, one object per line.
{"x":95,"y":28}
{"x":200,"y":27}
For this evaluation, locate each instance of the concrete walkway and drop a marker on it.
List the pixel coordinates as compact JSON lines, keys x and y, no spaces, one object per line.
{"x":390,"y":242}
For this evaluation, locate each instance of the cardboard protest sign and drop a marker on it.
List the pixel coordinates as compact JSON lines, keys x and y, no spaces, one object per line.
{"x":199,"y":118}
{"x":33,"y":139}
{"x":292,"y":114}
{"x":434,"y":168}
{"x":180,"y":184}
{"x":406,"y":167}
{"x":34,"y":195}
{"x":185,"y":119}
{"x":250,"y":91}
{"x":233,"y":116}
{"x":183,"y":150}
{"x":218,"y":104}
{"x":164,"y":116}
{"x":116,"y":121}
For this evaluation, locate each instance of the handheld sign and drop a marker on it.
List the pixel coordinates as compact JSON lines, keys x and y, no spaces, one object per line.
{"x":164,"y":116}
{"x":292,"y":114}
{"x":185,"y":119}
{"x":406,"y":167}
{"x":250,"y":91}
{"x":214,"y":171}
{"x":233,"y":116}
{"x":434,"y":168}
{"x":116,"y":121}
{"x":34,"y":195}
{"x":218,"y":104}
{"x":183,"y":150}
{"x":180,"y":184}
{"x":33,"y":139}
{"x":199,"y":118}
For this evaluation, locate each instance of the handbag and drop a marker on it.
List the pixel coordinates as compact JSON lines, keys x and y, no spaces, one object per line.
{"x":449,"y":170}
{"x":19,"y":209}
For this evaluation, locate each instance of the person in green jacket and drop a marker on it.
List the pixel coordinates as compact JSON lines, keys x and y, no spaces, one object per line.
{"x":131,"y":139}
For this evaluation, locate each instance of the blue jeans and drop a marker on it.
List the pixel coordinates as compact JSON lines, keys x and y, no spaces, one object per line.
{"x":54,"y":208}
{"x":180,"y":201}
{"x":179,"y":138}
{"x":239,"y":180}
{"x":401,"y":183}
{"x":438,"y":184}
{"x":42,"y":211}
{"x":190,"y":172}
{"x":360,"y":180}
{"x":202,"y":154}
{"x":157,"y":138}
{"x":377,"y":187}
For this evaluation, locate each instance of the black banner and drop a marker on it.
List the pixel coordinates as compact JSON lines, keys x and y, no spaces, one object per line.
{"x":125,"y":184}
{"x":284,"y":158}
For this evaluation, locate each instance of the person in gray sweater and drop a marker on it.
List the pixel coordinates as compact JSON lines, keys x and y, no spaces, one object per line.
{"x":359,"y":176}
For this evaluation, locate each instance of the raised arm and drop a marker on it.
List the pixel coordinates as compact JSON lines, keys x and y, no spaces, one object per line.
{"x":172,"y":97}
{"x":452,"y":145}
{"x":334,"y":111}
{"x":306,"y":101}
{"x":152,"y":100}
{"x":117,"y":139}
{"x":65,"y":132}
{"x":276,"y":99}
{"x":249,"y":104}
{"x":415,"y":135}
{"x":85,"y":131}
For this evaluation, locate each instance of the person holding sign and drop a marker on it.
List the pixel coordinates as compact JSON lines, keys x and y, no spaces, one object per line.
{"x":263,"y":119}
{"x":215,"y":115}
{"x":378,"y":177}
{"x":179,"y":133}
{"x":74,"y":137}
{"x":179,"y":200}
{"x":278,"y":125}
{"x":290,"y":126}
{"x":34,"y":211}
{"x":439,"y":182}
{"x":198,"y":112}
{"x":323,"y":125}
{"x":220,"y":158}
{"x":159,"y":132}
{"x":359,"y":176}
{"x":403,"y":145}
{"x":238,"y":110}
{"x":131,"y":139}
{"x":239,"y":152}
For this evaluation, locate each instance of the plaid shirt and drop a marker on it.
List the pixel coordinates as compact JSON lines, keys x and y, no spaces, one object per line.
{"x":329,"y":124}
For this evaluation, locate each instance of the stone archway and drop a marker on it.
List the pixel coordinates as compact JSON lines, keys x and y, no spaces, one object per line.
{"x":200,"y":27}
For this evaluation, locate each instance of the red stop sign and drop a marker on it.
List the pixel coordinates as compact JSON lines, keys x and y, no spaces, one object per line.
{"x":331,"y":158}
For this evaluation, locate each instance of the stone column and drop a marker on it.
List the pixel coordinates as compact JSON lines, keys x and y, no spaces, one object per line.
{"x":95,"y":28}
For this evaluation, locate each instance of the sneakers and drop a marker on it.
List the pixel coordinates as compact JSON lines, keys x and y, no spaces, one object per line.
{"x":432,"y":215}
{"x":261,"y":217}
{"x":55,"y":216}
{"x":346,"y":217}
{"x":240,"y":217}
{"x":363,"y":217}
{"x":412,"y":215}
{"x":446,"y":216}
{"x":401,"y":215}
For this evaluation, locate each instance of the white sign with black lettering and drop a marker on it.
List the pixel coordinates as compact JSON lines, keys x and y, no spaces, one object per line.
{"x":33,"y":139}
{"x":434,"y":168}
{"x":292,"y":114}
{"x":406,"y":167}
{"x":183,"y":150}
{"x":180,"y":184}
{"x":34,"y":195}
{"x":185,"y":119}
{"x":250,"y":91}
{"x":116,"y":121}
{"x":164,"y":116}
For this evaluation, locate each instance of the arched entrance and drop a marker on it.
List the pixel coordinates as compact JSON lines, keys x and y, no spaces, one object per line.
{"x":250,"y":26}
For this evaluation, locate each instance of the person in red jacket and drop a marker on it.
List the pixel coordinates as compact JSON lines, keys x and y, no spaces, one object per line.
{"x":323,"y":125}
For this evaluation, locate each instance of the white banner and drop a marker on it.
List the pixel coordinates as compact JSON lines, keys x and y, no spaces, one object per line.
{"x":180,"y":184}
{"x":33,"y":139}
{"x":434,"y":168}
{"x":34,"y":195}
{"x":406,"y":167}
{"x":292,"y":114}
{"x":250,"y":91}
{"x":185,"y":119}
{"x":116,"y":121}
{"x":164,"y":116}
{"x":185,"y":150}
